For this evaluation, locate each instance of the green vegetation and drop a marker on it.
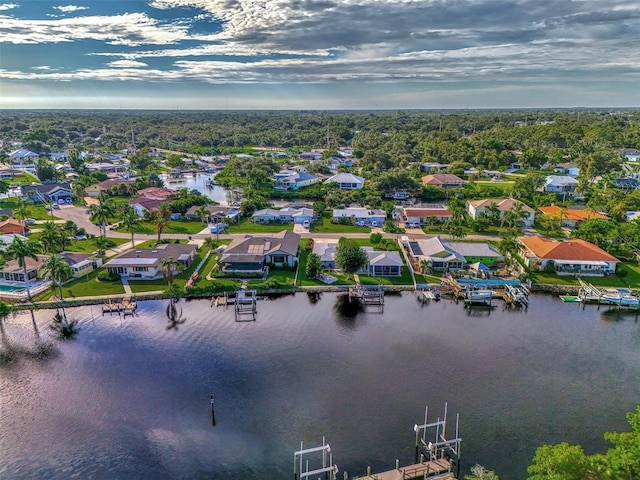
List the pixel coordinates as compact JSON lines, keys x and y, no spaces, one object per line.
{"x":325,"y":225}
{"x":88,"y":286}
{"x":305,"y":281}
{"x":245,"y":225}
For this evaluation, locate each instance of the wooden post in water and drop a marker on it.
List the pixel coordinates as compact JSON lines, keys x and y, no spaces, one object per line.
{"x":213,"y":412}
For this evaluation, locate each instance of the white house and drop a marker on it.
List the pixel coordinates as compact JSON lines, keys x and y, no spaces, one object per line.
{"x":631,"y":154}
{"x":476,"y":207}
{"x":147,"y":262}
{"x":284,"y":215}
{"x":311,"y":155}
{"x":384,"y":264}
{"x":22,"y":155}
{"x":420,"y":215}
{"x":365,"y":216}
{"x":567,"y":169}
{"x":346,"y":181}
{"x":560,"y":184}
{"x":294,"y":180}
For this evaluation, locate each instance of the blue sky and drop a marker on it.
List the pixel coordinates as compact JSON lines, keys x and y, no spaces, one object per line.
{"x":317,"y":54}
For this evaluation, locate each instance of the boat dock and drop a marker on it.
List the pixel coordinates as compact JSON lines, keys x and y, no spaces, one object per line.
{"x":126,"y":307}
{"x":368,"y":295}
{"x":245,"y":306}
{"x":478,"y":293}
{"x":435,"y":469}
{"x":616,"y":297}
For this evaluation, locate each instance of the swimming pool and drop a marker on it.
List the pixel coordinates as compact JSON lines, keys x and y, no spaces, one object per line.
{"x":10,"y":289}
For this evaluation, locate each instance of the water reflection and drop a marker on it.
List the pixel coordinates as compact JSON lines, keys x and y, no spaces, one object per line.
{"x":175,"y":318}
{"x":314,"y":297}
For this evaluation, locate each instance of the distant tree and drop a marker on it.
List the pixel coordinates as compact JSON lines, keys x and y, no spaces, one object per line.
{"x":350,"y":257}
{"x":375,"y":238}
{"x":45,"y":171}
{"x":175,"y":161}
{"x":478,"y":472}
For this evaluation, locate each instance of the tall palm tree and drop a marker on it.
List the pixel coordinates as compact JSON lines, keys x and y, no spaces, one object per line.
{"x":20,"y":251}
{"x":202,"y":213}
{"x":102,"y":212}
{"x":160,"y":223}
{"x":21,"y":212}
{"x":58,"y":270}
{"x":129,"y":221}
{"x":168,"y":267}
{"x":102,"y":243}
{"x":493,"y":211}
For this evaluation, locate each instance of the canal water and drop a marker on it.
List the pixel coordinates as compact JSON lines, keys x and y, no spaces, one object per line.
{"x":199,"y":182}
{"x":129,"y":397}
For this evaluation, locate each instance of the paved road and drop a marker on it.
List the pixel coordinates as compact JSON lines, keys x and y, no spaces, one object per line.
{"x":80,"y":217}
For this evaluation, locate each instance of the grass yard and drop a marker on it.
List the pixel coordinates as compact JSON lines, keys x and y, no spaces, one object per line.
{"x":304,"y":281}
{"x":404,"y":279}
{"x":325,"y":225}
{"x":630,"y":278}
{"x":247,"y":226}
{"x":36,"y":211}
{"x":277,"y":279}
{"x":173,"y":226}
{"x":504,"y":187}
{"x":141,"y":286}
{"x":89,"y":245}
{"x":22,"y":179}
{"x":88,"y":286}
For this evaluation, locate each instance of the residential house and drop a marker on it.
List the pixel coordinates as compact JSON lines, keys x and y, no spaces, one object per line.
{"x":560,"y":184}
{"x":59,"y":156}
{"x":249,"y":254}
{"x":82,"y":263}
{"x":293,"y":180}
{"x":567,"y":169}
{"x":217,"y":214}
{"x":8,"y":173}
{"x":12,"y":226}
{"x":570,"y":257}
{"x":443,"y":255}
{"x":311,"y":155}
{"x":334,"y":162}
{"x":284,"y":215}
{"x":346,"y":181}
{"x":631,"y":216}
{"x":23,"y":156}
{"x":476,"y":207}
{"x":96,"y":189}
{"x":381,"y":263}
{"x":434,"y":167}
{"x":422,"y":215}
{"x":106,"y":167}
{"x":627,"y":184}
{"x":571,"y":217}
{"x":7,"y":238}
{"x":147,"y":262}
{"x":631,"y":154}
{"x":345,"y":152}
{"x":442,"y":180}
{"x":12,"y":273}
{"x":326,"y":250}
{"x":384,"y":263}
{"x":48,"y":192}
{"x":157,"y":193}
{"x":361,"y":215}
{"x":142,"y":205}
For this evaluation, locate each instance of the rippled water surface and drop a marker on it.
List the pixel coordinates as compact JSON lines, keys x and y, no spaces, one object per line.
{"x":129,"y":398}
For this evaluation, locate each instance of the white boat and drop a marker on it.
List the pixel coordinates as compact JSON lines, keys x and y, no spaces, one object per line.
{"x":480,"y":295}
{"x":621,"y":297}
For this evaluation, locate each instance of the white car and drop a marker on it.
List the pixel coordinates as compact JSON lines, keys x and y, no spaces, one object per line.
{"x":306,"y":224}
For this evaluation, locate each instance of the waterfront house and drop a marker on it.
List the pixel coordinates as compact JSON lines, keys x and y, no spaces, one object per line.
{"x":570,"y":257}
{"x":567,"y":169}
{"x":96,"y":189}
{"x":361,"y":216}
{"x":48,"y":192}
{"x":571,"y":217}
{"x":147,"y":262}
{"x":421,"y":215}
{"x":13,"y":226}
{"x":82,"y":263}
{"x":477,"y":207}
{"x":443,"y":255}
{"x":142,"y":205}
{"x":13,"y":274}
{"x":442,"y":180}
{"x":217,"y":214}
{"x":293,"y":180}
{"x":383,"y":263}
{"x":477,"y":252}
{"x":249,"y":253}
{"x":346,"y":181}
{"x":326,"y":250}
{"x":560,"y":184}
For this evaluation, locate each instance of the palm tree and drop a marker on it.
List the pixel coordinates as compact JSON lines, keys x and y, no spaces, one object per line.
{"x":102,"y":212}
{"x":160,"y":223}
{"x":58,"y":270}
{"x":202,"y":213}
{"x":21,"y":212}
{"x":51,"y":237}
{"x":129,"y":221}
{"x":168,"y":267}
{"x":493,"y":212}
{"x":78,"y":191}
{"x":516,"y":215}
{"x":102,"y":243}
{"x":20,"y":251}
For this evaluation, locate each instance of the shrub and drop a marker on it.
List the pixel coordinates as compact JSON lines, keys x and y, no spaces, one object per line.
{"x":108,"y":277}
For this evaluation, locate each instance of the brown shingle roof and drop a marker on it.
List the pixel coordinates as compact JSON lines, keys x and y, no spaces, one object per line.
{"x":504,"y":204}
{"x":580,"y":250}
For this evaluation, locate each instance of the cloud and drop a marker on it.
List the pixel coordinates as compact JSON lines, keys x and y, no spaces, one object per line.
{"x":130,"y":29}
{"x":70,"y":8}
{"x":8,"y":6}
{"x":127,"y":64}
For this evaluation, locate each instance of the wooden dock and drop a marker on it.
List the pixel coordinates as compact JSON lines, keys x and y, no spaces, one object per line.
{"x":126,"y":307}
{"x":368,"y":295}
{"x":432,"y":469}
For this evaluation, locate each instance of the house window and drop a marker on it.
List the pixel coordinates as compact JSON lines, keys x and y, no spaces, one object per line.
{"x":278,"y":259}
{"x":141,"y":269}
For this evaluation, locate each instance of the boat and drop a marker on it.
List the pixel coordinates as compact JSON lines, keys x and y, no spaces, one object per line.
{"x":479,"y":295}
{"x":621,"y":297}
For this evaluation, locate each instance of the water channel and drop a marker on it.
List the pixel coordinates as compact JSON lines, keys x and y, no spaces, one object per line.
{"x":129,"y":397}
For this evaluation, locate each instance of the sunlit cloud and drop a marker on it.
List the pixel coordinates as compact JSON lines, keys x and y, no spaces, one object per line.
{"x":8,"y":6}
{"x":127,"y":64}
{"x":70,"y":8}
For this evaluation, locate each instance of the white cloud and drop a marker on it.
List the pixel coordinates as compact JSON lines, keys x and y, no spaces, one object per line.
{"x":8,"y":6}
{"x":70,"y":8}
{"x":127,"y":64}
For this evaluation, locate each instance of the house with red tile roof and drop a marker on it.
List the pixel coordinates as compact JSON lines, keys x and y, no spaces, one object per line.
{"x":157,"y":193}
{"x":443,"y":180}
{"x":571,"y":217}
{"x":569,"y":257}
{"x":421,"y":214}
{"x":11,"y":225}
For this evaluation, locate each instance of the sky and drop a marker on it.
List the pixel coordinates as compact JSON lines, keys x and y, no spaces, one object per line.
{"x":319,"y":54}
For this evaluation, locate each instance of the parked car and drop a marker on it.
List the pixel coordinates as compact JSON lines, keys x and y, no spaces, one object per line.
{"x":29,"y":221}
{"x":359,"y":224}
{"x":306,"y":224}
{"x":56,"y":206}
{"x":374,"y":223}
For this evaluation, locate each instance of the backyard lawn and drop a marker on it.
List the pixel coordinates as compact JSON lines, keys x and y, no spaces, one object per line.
{"x":304,"y":281}
{"x":173,"y":226}
{"x":88,"y":286}
{"x":504,"y":187}
{"x":630,"y":278}
{"x":36,"y":211}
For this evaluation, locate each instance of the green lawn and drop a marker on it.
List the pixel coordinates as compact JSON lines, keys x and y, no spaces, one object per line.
{"x":304,"y":281}
{"x":22,"y":179}
{"x":247,"y":226}
{"x":277,"y":279}
{"x":173,"y":226}
{"x":325,"y":225}
{"x":89,"y":245}
{"x":630,"y":278}
{"x":88,"y":286}
{"x":36,"y":211}
{"x":404,"y":279}
{"x":505,"y":187}
{"x":141,"y":286}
